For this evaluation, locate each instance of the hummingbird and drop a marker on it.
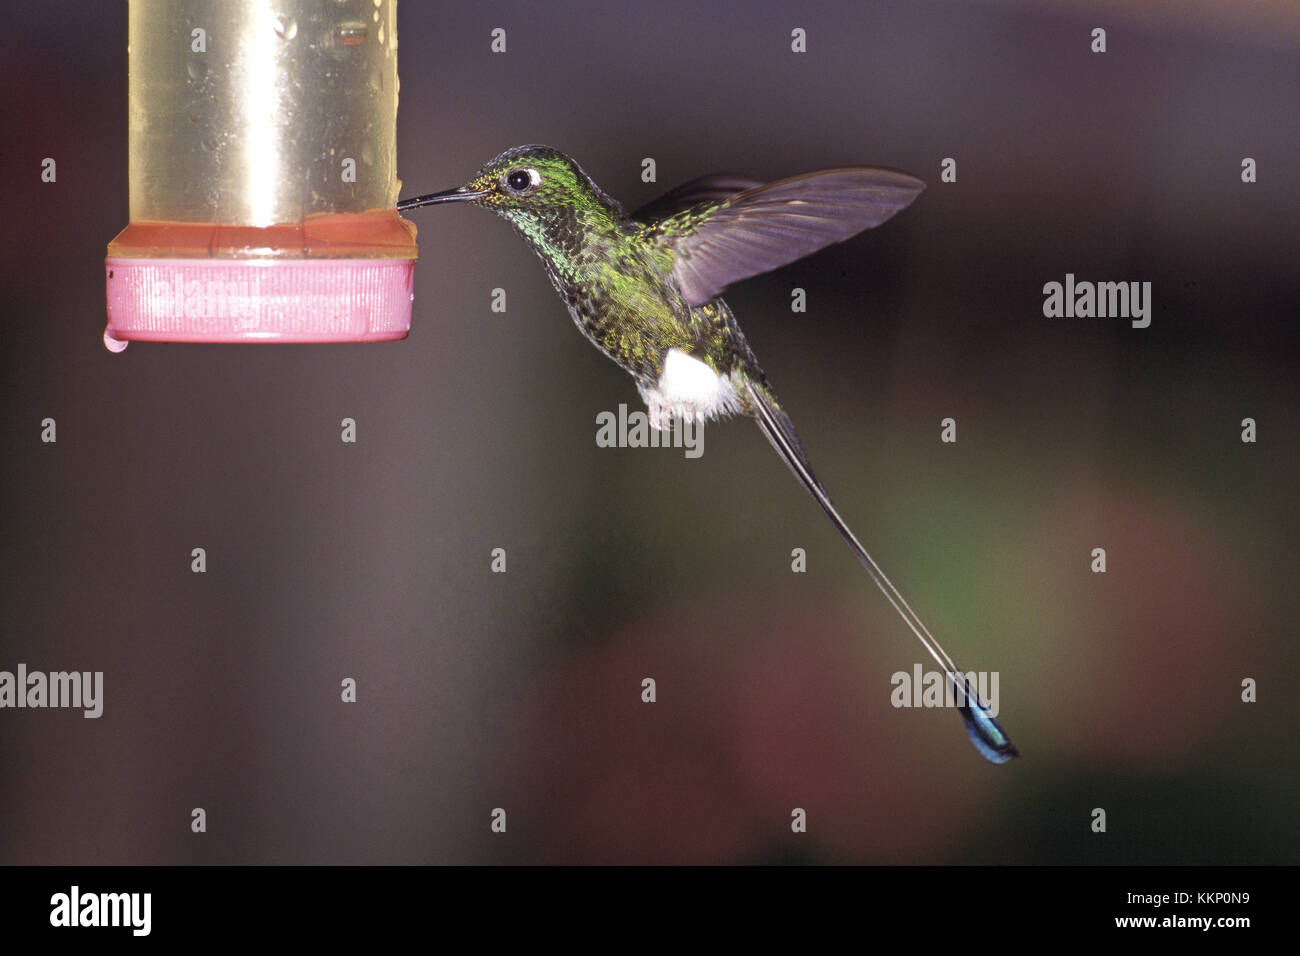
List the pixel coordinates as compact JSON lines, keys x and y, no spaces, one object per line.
{"x":645,"y":289}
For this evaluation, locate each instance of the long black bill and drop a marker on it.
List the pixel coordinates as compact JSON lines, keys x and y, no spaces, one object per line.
{"x":459,"y":194}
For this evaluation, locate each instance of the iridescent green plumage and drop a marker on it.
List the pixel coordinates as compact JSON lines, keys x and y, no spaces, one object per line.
{"x":644,"y":288}
{"x":631,"y":281}
{"x":613,"y":272}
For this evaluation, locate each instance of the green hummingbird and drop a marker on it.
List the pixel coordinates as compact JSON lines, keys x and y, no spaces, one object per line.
{"x":645,"y":287}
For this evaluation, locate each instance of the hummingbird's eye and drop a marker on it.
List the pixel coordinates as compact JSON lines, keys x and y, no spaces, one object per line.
{"x":518,"y":180}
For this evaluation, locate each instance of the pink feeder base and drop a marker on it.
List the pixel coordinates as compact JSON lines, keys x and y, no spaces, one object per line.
{"x":257,"y":300}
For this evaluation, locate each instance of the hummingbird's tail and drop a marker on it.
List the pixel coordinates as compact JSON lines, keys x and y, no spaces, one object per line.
{"x":985,"y":731}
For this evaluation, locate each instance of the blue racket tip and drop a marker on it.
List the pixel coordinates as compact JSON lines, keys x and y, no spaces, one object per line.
{"x":986,"y":733}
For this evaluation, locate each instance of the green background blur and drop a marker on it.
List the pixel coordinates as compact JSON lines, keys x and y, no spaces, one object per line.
{"x":522,"y":690}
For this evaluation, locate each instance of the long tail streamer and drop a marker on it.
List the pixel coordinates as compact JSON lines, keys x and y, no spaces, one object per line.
{"x":985,"y":732}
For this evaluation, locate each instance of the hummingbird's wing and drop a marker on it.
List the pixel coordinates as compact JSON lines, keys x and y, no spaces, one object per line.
{"x":706,"y":189}
{"x":765,"y":227}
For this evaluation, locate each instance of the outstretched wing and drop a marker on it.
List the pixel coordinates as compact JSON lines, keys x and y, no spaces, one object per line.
{"x":765,"y":227}
{"x":707,"y":189}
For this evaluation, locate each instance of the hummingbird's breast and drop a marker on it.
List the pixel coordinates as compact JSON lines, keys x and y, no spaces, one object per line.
{"x":618,"y":292}
{"x":619,"y":289}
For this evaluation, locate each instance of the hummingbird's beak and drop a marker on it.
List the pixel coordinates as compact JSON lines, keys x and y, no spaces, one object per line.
{"x":459,"y":194}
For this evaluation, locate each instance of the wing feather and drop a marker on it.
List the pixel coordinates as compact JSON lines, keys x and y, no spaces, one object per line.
{"x":769,"y":226}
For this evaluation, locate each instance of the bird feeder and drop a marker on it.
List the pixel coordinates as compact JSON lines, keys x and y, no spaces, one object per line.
{"x":262,"y":176}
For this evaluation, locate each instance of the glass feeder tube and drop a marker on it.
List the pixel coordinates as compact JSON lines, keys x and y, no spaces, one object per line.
{"x":263,"y":176}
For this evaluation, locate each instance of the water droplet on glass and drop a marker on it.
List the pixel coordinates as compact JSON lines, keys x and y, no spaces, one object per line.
{"x":196,"y":69}
{"x":112,"y":344}
{"x":286,"y":27}
{"x":381,"y":34}
{"x":352,"y":33}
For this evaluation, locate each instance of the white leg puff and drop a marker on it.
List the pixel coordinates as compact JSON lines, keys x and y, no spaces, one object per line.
{"x":689,"y":389}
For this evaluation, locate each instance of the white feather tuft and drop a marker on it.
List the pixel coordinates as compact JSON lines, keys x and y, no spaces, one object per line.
{"x":689,"y":389}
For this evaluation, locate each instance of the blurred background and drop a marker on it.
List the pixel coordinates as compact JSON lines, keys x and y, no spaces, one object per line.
{"x":522,"y":690}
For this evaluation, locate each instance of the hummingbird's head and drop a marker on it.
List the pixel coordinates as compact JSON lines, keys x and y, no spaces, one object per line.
{"x":529,"y":185}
